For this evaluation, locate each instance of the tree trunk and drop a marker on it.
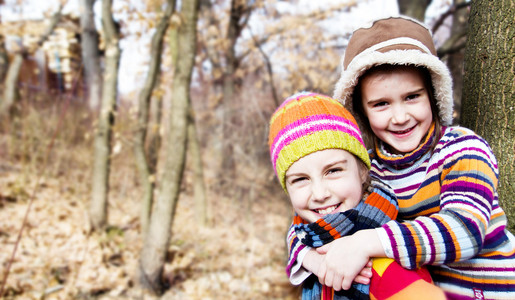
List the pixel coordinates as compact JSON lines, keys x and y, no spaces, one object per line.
{"x":228,"y":86}
{"x":142,"y":162}
{"x":4,"y":59}
{"x":414,"y":8}
{"x":90,"y":54}
{"x":11,"y":84}
{"x":102,"y":141}
{"x":153,"y":135}
{"x":216,"y":59}
{"x":13,"y":73}
{"x":4,"y":67}
{"x":238,"y":17}
{"x":156,"y":243}
{"x":199,"y":188}
{"x":455,"y":59}
{"x":489,"y":86}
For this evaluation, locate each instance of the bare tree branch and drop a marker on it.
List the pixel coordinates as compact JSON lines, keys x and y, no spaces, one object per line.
{"x":269,"y":70}
{"x":452,"y":44}
{"x":53,"y":23}
{"x":11,"y":79}
{"x":452,"y":9}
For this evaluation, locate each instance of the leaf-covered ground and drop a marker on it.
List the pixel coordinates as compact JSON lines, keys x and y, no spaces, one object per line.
{"x":240,"y":255}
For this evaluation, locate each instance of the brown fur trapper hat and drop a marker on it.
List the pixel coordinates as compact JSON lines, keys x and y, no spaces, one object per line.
{"x":397,"y":41}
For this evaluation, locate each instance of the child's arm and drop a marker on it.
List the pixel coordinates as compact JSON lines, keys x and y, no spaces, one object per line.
{"x":297,"y":251}
{"x":312,"y":261}
{"x":389,"y":280}
{"x":468,"y":182}
{"x":468,"y":179}
{"x":379,"y":207}
{"x":347,"y":256}
{"x":304,"y":261}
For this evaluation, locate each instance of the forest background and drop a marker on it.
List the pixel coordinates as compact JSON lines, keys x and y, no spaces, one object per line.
{"x":167,"y":191}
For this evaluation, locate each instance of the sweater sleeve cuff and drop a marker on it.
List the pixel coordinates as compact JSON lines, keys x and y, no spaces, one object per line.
{"x":385,"y":241}
{"x":298,"y":272}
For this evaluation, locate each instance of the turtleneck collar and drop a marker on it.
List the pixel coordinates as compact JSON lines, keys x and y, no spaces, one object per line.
{"x":406,"y":159}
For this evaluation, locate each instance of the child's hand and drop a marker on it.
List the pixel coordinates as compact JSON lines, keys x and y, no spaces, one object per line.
{"x":363,"y":277}
{"x":312,"y":261}
{"x":346,"y":257}
{"x":342,"y":264}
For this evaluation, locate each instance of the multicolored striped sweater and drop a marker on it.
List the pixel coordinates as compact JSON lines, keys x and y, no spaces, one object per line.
{"x":389,"y":280}
{"x":454,"y":223}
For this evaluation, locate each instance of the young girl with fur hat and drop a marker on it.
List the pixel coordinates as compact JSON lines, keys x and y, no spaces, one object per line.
{"x":445,"y":178}
{"x":321,"y":161}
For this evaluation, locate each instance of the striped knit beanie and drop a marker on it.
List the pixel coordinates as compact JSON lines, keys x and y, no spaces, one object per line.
{"x":309,"y":122}
{"x":395,"y":41}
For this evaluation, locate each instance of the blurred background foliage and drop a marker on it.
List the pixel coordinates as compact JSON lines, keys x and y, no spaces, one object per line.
{"x":227,"y":214}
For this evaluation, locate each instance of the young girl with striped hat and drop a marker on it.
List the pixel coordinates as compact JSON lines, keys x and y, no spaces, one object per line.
{"x":321,"y":162}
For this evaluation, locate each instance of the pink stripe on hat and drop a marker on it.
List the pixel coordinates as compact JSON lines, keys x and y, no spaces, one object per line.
{"x":310,"y":122}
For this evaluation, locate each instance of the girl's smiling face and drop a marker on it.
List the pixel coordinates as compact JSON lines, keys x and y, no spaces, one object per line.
{"x":397,"y":105}
{"x":324,"y":182}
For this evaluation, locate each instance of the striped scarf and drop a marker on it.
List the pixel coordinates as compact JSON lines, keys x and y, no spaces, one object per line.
{"x":378,"y":206}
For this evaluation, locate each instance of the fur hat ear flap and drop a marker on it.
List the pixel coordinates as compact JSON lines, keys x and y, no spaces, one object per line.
{"x":397,"y":41}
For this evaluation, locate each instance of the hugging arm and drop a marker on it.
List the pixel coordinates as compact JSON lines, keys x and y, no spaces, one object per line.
{"x":468,"y":177}
{"x":379,"y":206}
{"x":295,"y":270}
{"x":304,"y":261}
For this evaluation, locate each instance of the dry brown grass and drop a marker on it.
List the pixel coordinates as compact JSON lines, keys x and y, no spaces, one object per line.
{"x":240,"y":255}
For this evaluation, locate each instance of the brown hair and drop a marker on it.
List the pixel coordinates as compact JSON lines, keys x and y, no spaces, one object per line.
{"x":363,"y":171}
{"x":359,"y":111}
